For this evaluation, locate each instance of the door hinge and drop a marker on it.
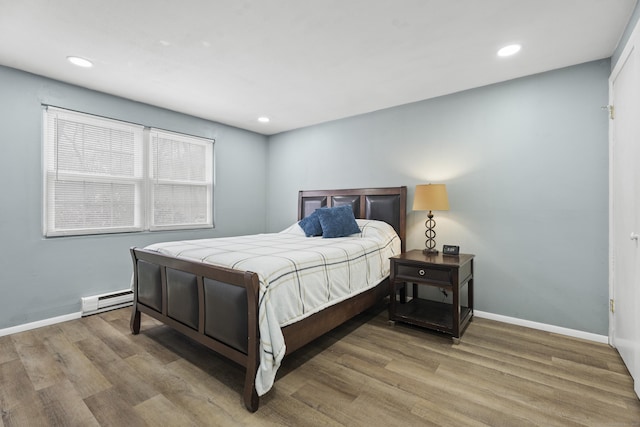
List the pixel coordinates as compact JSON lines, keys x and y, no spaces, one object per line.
{"x":611,"y":109}
{"x":612,"y":306}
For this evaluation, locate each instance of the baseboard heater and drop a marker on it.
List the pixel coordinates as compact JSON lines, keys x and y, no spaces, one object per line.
{"x":105,"y":302}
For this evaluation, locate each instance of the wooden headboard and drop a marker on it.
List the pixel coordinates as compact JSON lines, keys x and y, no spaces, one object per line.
{"x":382,"y":204}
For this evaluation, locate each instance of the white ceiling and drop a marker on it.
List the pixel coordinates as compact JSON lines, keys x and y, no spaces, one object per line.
{"x":300,"y":62}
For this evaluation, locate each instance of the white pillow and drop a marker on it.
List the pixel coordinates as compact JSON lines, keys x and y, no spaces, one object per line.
{"x":294,"y":229}
{"x":378,"y":230}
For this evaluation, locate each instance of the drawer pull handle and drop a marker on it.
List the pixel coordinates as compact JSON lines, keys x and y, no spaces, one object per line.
{"x":421,"y":272}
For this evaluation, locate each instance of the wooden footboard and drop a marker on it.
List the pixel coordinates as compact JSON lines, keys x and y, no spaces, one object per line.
{"x":215,"y":306}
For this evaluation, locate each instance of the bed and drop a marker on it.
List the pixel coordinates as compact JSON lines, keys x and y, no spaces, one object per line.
{"x":227,"y":300}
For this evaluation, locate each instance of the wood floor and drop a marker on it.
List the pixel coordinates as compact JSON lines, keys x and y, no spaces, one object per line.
{"x":92,"y":371}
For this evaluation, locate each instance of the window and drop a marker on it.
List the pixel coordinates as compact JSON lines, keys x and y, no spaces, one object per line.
{"x":180,"y":181}
{"x":107,"y":176}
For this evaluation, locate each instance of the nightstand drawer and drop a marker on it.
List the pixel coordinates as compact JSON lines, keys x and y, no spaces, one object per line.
{"x":424,"y":273}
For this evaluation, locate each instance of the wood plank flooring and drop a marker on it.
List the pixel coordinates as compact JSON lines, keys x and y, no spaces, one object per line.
{"x":93,"y":372}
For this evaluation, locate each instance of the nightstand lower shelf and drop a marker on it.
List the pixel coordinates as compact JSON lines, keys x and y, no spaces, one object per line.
{"x":430,"y":314}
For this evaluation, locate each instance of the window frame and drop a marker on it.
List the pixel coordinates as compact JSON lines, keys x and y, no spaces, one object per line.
{"x":142,"y":179}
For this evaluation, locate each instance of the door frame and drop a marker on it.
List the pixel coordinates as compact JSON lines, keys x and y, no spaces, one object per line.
{"x":634,"y":39}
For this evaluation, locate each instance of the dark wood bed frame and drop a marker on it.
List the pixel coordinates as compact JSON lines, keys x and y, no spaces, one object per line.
{"x":218,"y":307}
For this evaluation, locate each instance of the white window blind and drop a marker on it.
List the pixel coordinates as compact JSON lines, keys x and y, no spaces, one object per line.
{"x":107,"y":176}
{"x":180,"y":170}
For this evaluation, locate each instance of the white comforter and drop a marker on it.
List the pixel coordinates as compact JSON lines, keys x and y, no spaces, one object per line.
{"x":298,"y":275}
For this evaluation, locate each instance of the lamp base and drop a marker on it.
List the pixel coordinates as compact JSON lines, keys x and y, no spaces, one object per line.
{"x":430,"y":234}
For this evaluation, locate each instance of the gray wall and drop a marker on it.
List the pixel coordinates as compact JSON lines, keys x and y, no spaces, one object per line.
{"x":42,"y":278}
{"x":526,"y":167}
{"x":525,"y":161}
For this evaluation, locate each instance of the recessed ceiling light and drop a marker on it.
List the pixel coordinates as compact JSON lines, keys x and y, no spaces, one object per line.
{"x":80,"y":62}
{"x":509,"y":50}
{"x":263,"y":119}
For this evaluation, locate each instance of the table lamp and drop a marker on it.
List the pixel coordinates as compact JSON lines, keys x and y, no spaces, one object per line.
{"x":430,"y":197}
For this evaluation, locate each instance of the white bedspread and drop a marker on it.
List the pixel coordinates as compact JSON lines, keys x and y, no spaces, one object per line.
{"x":298,"y":275}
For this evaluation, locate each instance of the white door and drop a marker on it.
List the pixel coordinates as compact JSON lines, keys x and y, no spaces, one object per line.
{"x":625,"y":208}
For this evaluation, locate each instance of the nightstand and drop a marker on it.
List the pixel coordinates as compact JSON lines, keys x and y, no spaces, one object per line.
{"x":450,"y":274}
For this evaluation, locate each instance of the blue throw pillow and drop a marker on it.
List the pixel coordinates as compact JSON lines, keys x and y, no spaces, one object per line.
{"x":311,"y":225}
{"x":338,"y":221}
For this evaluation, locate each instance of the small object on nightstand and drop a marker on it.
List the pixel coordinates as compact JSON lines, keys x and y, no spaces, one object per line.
{"x":450,"y":250}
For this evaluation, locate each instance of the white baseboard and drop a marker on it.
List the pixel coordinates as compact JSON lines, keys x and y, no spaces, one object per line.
{"x":39,"y":324}
{"x":603,"y":339}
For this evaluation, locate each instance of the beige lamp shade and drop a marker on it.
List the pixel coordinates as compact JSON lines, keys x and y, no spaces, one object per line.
{"x":431,"y":197}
